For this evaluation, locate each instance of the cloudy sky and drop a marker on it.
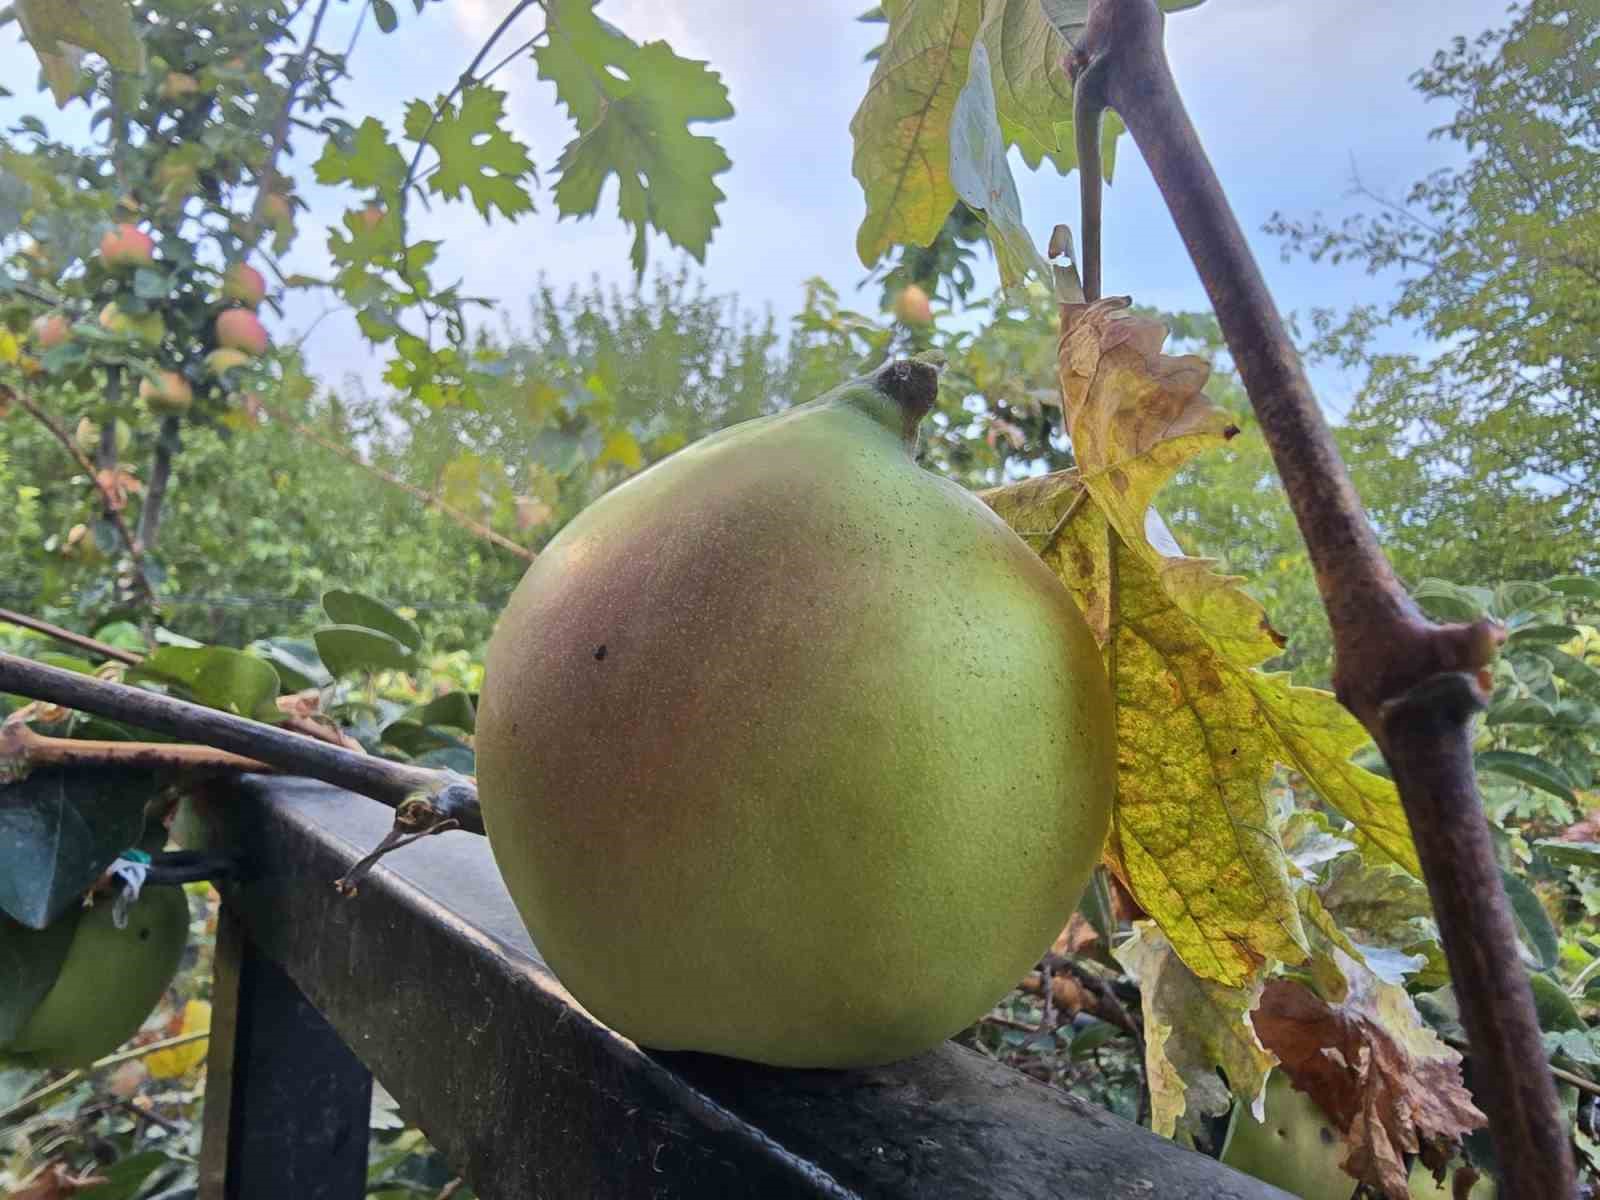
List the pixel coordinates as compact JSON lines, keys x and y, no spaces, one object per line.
{"x":1290,"y":96}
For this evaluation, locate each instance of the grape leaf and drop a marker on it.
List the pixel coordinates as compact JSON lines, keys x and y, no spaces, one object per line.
{"x":475,"y":152}
{"x":902,"y":126}
{"x":633,"y":105}
{"x":1192,"y":833}
{"x":1191,"y":1027}
{"x":372,"y":160}
{"x":1383,"y":1077}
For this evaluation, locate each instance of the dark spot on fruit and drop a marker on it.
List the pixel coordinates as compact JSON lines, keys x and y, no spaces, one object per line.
{"x":1327,"y":1136}
{"x":144,"y":935}
{"x":600,"y":652}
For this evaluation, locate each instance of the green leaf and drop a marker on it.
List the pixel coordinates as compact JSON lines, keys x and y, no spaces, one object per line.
{"x":1446,"y":601}
{"x":296,"y":662}
{"x":1542,"y":635}
{"x":388,"y":20}
{"x":59,"y":830}
{"x":352,"y":608}
{"x":150,"y":284}
{"x":633,"y":106}
{"x":902,"y":127}
{"x":1574,"y":671}
{"x":372,"y":161}
{"x":1570,"y":854}
{"x":60,"y":31}
{"x":1552,"y":1005}
{"x":982,"y":177}
{"x":475,"y":151}
{"x":351,"y":649}
{"x":1533,"y":923}
{"x":1528,"y":769}
{"x":450,"y":708}
{"x":1576,"y":586}
{"x":216,"y":676}
{"x":30,"y":960}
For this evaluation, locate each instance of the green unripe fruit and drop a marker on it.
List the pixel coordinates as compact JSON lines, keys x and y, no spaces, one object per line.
{"x":219,"y":362}
{"x":783,"y":722}
{"x":111,"y":980}
{"x":87,"y":435}
{"x":147,"y":328}
{"x":1297,"y":1148}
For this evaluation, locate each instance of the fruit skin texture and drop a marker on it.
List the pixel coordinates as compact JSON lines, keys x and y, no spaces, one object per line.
{"x":784,"y":722}
{"x":127,"y":246}
{"x":112,"y":978}
{"x":171,"y":398}
{"x":1297,"y":1148}
{"x":240,"y":329}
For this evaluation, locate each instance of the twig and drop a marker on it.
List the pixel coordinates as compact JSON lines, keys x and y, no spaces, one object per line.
{"x":71,"y":1079}
{"x":1415,"y":685}
{"x":465,"y":80}
{"x":308,"y":726}
{"x":280,"y":128}
{"x":68,"y":638}
{"x":475,"y":528}
{"x":113,"y":508}
{"x":442,"y":793}
{"x":21,"y":747}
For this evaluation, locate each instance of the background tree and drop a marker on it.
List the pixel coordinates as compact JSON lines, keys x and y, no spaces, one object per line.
{"x":1482,"y":460}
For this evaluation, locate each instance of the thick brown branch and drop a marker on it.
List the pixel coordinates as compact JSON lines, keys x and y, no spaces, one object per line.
{"x":155,"y":492}
{"x":1413,"y":684}
{"x":20,"y":746}
{"x":112,"y":502}
{"x":443,"y":794}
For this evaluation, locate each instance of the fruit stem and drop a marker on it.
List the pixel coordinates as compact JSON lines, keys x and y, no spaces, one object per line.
{"x":911,"y":385}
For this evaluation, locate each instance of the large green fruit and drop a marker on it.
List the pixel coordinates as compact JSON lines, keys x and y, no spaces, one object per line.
{"x":1297,"y":1148}
{"x":792,"y":751}
{"x":112,"y":978}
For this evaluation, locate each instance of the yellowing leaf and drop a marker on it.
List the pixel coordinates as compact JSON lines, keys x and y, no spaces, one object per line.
{"x":10,"y":349}
{"x":902,"y":126}
{"x":1199,"y":726}
{"x":180,"y":1060}
{"x":1191,"y":1027}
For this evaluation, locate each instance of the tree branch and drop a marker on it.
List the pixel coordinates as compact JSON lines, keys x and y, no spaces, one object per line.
{"x":443,"y":795}
{"x":1413,"y":684}
{"x":476,"y":528}
{"x":69,"y":638}
{"x":155,"y":490}
{"x":113,"y":505}
{"x":21,"y":747}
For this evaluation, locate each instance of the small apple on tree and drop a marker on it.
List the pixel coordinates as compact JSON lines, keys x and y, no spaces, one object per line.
{"x":245,"y":285}
{"x":241,"y":329}
{"x":127,"y":246}
{"x":167,"y":395}
{"x":51,"y":330}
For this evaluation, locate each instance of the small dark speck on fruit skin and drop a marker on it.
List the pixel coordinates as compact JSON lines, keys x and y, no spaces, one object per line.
{"x":600,"y":652}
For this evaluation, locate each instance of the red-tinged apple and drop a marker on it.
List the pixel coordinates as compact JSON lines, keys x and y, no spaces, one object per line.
{"x":51,"y":330}
{"x":241,"y":329}
{"x":127,"y":246}
{"x":244,"y":284}
{"x":370,"y":217}
{"x":275,"y":208}
{"x":167,"y":396}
